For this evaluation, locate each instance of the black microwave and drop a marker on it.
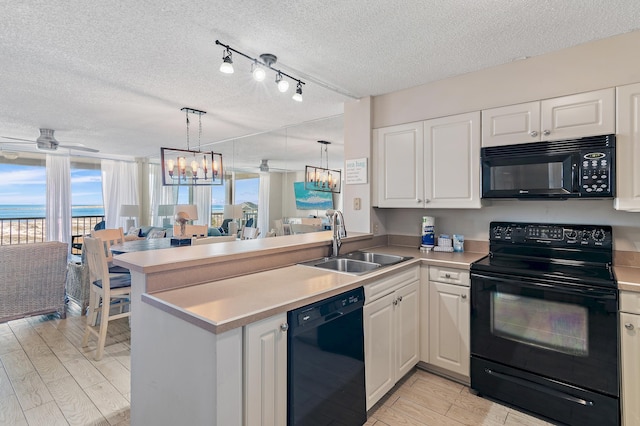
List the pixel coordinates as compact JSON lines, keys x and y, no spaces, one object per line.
{"x":577,"y":168}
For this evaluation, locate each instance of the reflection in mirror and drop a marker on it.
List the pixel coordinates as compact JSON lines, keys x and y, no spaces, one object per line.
{"x":262,"y":169}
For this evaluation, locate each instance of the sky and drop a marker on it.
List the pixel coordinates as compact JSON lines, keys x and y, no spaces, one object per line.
{"x":21,"y":184}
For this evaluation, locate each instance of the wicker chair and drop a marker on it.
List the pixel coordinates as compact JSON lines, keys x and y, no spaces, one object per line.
{"x":32,"y":279}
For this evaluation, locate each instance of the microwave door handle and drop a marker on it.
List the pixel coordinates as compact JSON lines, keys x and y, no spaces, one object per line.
{"x":574,"y":178}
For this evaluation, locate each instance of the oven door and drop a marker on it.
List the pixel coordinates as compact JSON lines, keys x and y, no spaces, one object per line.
{"x":561,"y":332}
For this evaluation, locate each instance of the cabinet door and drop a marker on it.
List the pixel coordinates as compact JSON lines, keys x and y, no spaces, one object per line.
{"x":630,"y":355}
{"x":265,"y":366}
{"x":449,"y":327}
{"x":511,"y":124}
{"x":379,"y":348}
{"x":399,"y":166}
{"x":628,"y":148}
{"x":407,"y":311}
{"x":424,"y":314}
{"x":452,"y":161}
{"x":576,"y":116}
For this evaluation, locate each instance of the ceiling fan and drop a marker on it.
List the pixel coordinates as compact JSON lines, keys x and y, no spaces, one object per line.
{"x":47,"y":142}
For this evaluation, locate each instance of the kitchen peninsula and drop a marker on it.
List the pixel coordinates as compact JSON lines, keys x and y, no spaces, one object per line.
{"x":187,"y":340}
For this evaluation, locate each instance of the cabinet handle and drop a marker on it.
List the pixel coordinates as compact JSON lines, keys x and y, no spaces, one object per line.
{"x":533,"y":133}
{"x":418,"y":200}
{"x":464,"y":296}
{"x":447,"y":275}
{"x":628,"y":326}
{"x":400,"y":299}
{"x":284,"y":326}
{"x":546,"y":132}
{"x":395,"y":302}
{"x":426,"y":200}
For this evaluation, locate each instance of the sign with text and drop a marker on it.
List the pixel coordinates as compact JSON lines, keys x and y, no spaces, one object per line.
{"x":356,"y":171}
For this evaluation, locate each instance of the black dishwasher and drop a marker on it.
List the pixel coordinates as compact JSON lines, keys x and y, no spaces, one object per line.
{"x":325,"y":364}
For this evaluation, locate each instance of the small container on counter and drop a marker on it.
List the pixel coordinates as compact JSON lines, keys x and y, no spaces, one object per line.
{"x":458,"y":243}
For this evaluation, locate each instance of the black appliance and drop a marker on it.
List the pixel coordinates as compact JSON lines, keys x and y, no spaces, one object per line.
{"x":544,"y":322}
{"x":577,"y":168}
{"x":325,"y":365}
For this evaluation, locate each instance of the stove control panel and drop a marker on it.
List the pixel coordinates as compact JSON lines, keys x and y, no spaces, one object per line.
{"x":551,"y":235}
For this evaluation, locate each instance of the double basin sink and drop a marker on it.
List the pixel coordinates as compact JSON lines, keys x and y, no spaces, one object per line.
{"x":357,"y":262}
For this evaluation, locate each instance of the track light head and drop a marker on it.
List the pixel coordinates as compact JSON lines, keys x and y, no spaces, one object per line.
{"x":298,"y":95}
{"x":258,"y":72}
{"x":227,"y":64}
{"x":283,"y":85}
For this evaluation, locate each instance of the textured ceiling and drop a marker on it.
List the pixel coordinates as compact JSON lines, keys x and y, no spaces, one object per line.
{"x":113,"y":75}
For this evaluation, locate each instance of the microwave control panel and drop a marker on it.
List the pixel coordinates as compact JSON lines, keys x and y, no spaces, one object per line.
{"x":595,"y":173}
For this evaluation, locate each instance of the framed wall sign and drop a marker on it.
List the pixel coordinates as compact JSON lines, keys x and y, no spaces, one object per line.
{"x":357,"y":171}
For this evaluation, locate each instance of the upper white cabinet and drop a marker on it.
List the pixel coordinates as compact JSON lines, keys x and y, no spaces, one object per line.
{"x":566,"y":117}
{"x":628,"y":148}
{"x":435,"y":163}
{"x":452,"y":161}
{"x":399,"y":165}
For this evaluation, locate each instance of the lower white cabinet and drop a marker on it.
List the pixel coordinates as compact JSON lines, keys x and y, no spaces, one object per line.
{"x":630,"y":357}
{"x":449,"y":320}
{"x":265,"y":372}
{"x":391,"y":335}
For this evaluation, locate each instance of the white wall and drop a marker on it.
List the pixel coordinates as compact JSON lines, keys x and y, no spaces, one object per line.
{"x":604,"y":63}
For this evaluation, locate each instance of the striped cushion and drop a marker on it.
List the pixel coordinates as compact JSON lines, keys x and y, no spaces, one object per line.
{"x":118,"y":281}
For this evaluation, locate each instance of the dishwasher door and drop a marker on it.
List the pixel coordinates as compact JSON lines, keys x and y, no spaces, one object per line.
{"x":325,"y":364}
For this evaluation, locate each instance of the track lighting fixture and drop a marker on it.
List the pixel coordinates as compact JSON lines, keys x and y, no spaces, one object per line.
{"x":283,"y":85}
{"x":258,"y":70}
{"x":298,"y":95}
{"x":227,"y":64}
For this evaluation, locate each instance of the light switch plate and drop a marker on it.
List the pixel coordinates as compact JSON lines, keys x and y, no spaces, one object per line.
{"x":356,"y":203}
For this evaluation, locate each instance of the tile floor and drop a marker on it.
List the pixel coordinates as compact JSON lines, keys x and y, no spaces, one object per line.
{"x":46,"y":378}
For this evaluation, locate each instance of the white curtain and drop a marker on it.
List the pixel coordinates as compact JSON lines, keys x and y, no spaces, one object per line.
{"x":119,"y":186}
{"x":263,"y":203}
{"x":58,"y":210}
{"x":159,"y":193}
{"x":202,"y":199}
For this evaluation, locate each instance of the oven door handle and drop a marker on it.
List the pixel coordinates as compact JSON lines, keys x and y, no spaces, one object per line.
{"x":538,"y":387}
{"x":590,"y":292}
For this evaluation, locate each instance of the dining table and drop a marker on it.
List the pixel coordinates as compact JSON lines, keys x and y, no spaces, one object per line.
{"x":141,"y":245}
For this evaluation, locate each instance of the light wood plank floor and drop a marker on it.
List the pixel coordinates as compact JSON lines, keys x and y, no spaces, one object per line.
{"x":46,"y":378}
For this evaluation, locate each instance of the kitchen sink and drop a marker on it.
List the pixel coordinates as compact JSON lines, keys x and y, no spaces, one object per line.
{"x":380,"y":258}
{"x":357,"y":263}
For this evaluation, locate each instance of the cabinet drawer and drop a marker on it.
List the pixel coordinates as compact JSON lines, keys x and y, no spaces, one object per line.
{"x":449,"y":275}
{"x":630,"y":302}
{"x":379,"y":288}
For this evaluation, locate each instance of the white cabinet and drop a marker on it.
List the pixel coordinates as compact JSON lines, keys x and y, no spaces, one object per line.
{"x":566,"y":117}
{"x":628,"y":148}
{"x":630,"y":357}
{"x":452,"y":161}
{"x":399,"y":166}
{"x":435,"y":163}
{"x":265,"y":372}
{"x":391,"y":332}
{"x":449,"y":319}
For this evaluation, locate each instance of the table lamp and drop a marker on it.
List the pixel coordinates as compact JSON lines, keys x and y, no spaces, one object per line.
{"x":130,"y":211}
{"x":164,"y":211}
{"x":184,"y":213}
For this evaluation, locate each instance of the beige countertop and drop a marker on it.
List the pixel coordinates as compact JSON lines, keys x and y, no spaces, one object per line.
{"x":234,"y":302}
{"x":628,"y":278}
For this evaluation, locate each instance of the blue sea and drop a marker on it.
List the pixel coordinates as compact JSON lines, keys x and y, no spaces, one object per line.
{"x":18,"y":211}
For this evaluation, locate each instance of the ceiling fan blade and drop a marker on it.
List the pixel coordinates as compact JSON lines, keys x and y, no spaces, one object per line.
{"x":79,"y":148}
{"x":18,"y":139}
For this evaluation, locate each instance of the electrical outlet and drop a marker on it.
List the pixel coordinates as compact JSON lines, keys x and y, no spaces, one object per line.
{"x":356,"y":203}
{"x":376,"y":228}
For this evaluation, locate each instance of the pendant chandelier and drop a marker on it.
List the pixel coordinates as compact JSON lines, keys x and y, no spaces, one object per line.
{"x":322,"y":178}
{"x":189,"y":167}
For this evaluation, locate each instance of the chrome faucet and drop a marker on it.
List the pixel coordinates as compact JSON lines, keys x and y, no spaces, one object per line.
{"x":339,"y":231}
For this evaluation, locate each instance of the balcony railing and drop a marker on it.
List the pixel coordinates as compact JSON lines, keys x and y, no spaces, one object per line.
{"x":33,"y":229}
